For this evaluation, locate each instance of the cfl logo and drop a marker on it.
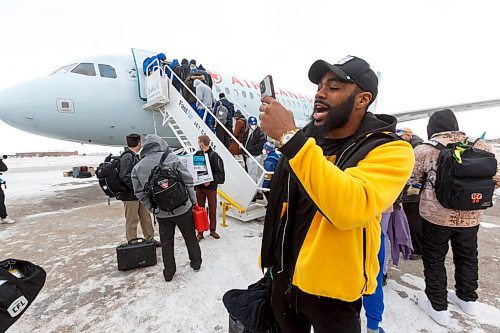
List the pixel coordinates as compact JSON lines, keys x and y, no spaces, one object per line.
{"x":476,"y":197}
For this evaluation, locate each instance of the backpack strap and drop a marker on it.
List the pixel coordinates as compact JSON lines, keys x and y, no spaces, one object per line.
{"x":435,"y":144}
{"x":164,"y":157}
{"x":358,"y":150}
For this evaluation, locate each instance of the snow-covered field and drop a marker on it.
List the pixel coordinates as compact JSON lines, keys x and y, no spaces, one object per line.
{"x":42,"y":176}
{"x":85,"y":292}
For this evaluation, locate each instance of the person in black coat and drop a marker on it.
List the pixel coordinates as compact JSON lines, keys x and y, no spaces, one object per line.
{"x":135,"y":211}
{"x":208,"y":190}
{"x":3,"y":210}
{"x":222,"y":131}
{"x":253,"y":140}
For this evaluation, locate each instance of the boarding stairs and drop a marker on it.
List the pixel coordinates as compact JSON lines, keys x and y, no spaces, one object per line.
{"x":236,"y":194}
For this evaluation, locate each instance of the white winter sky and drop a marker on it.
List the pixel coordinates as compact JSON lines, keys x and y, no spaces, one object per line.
{"x":430,"y":53}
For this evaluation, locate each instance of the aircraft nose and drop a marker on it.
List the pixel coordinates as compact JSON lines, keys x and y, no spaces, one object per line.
{"x":16,"y":107}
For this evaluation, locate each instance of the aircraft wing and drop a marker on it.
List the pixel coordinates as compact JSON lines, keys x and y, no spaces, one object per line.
{"x":424,"y":113}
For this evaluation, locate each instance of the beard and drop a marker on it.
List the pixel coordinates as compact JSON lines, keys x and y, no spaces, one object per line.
{"x":337,"y":117}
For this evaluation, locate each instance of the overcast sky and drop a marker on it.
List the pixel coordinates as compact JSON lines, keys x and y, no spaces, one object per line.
{"x":430,"y":53}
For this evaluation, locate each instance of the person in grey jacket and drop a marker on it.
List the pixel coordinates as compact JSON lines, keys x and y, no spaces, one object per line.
{"x":151,"y":153}
{"x":204,"y":94}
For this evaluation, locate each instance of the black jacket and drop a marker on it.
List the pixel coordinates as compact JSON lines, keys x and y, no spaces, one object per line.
{"x":217,"y":166}
{"x":256,"y":142}
{"x":280,"y":246}
{"x":415,"y":141}
{"x":127,"y":162}
{"x":3,"y":167}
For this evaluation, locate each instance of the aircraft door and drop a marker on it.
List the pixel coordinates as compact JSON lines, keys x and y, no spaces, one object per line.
{"x":139,"y":57}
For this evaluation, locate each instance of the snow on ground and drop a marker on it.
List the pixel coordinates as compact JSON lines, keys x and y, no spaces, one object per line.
{"x":40,"y":177}
{"x":85,"y":292}
{"x":489,"y":225}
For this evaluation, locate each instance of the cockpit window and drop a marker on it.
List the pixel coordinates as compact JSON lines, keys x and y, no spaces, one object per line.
{"x":107,"y":71}
{"x":84,"y":69}
{"x":63,"y":69}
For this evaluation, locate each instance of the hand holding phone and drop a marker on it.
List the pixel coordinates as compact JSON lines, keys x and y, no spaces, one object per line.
{"x":267,"y":87}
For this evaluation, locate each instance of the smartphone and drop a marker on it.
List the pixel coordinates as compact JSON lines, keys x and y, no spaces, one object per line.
{"x":267,"y":87}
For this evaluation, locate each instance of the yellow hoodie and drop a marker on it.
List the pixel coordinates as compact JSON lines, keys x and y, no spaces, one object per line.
{"x":350,"y":202}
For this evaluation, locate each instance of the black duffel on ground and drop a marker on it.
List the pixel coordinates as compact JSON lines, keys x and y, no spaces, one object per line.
{"x":17,"y":293}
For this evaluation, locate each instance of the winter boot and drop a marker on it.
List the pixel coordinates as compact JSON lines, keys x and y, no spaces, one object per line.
{"x":469,"y":307}
{"x":440,"y":317}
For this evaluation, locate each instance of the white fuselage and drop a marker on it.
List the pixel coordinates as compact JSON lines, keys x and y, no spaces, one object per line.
{"x":97,"y":107}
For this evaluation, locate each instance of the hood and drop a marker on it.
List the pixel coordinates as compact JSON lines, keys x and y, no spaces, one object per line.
{"x":175,"y":62}
{"x":153,"y":144}
{"x":196,"y":83}
{"x":442,"y":121}
{"x":371,"y":123}
{"x":238,"y":115}
{"x":376,"y":123}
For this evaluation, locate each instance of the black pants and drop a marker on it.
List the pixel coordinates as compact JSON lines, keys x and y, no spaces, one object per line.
{"x":435,"y":240}
{"x":3,"y":209}
{"x":223,"y":135}
{"x":295,"y":311}
{"x":185,"y":223}
{"x":415,"y":224}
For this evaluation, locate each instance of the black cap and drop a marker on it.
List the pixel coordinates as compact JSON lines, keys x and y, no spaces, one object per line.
{"x":350,"y":68}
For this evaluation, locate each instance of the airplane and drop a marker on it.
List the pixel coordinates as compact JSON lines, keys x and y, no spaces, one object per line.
{"x":99,"y":100}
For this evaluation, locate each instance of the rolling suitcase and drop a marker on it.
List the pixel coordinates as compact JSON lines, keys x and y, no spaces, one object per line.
{"x":136,"y":253}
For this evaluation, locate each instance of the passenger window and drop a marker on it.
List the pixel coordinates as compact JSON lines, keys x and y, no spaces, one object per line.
{"x":227,"y":91}
{"x":107,"y":71}
{"x":251,"y":95}
{"x":235,"y":92}
{"x":84,"y":69}
{"x":243,"y":93}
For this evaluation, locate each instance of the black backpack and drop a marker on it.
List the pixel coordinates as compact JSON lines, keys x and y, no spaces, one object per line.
{"x":464,"y":176}
{"x":165,"y":189}
{"x":108,"y":174}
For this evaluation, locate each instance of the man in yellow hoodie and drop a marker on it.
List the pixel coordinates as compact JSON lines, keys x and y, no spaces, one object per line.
{"x":337,"y":175}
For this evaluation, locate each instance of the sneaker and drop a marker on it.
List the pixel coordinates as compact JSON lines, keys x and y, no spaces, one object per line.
{"x":440,"y":317}
{"x":384,"y":279}
{"x":8,"y":220}
{"x":214,"y":235}
{"x":415,"y":256}
{"x":469,"y":307}
{"x":199,"y":237}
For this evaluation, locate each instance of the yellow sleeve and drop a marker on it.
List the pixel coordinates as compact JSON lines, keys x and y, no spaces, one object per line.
{"x":353,"y":197}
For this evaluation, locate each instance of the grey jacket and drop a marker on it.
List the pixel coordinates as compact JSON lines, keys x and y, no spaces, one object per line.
{"x":151,"y":153}
{"x":204,"y":94}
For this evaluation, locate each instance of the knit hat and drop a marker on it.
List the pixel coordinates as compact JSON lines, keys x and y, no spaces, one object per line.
{"x":442,"y":121}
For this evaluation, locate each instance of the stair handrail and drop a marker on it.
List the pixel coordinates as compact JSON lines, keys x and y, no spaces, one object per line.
{"x":215,"y":118}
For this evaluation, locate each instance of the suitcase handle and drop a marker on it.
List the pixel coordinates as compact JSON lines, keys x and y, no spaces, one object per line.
{"x":136,"y":240}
